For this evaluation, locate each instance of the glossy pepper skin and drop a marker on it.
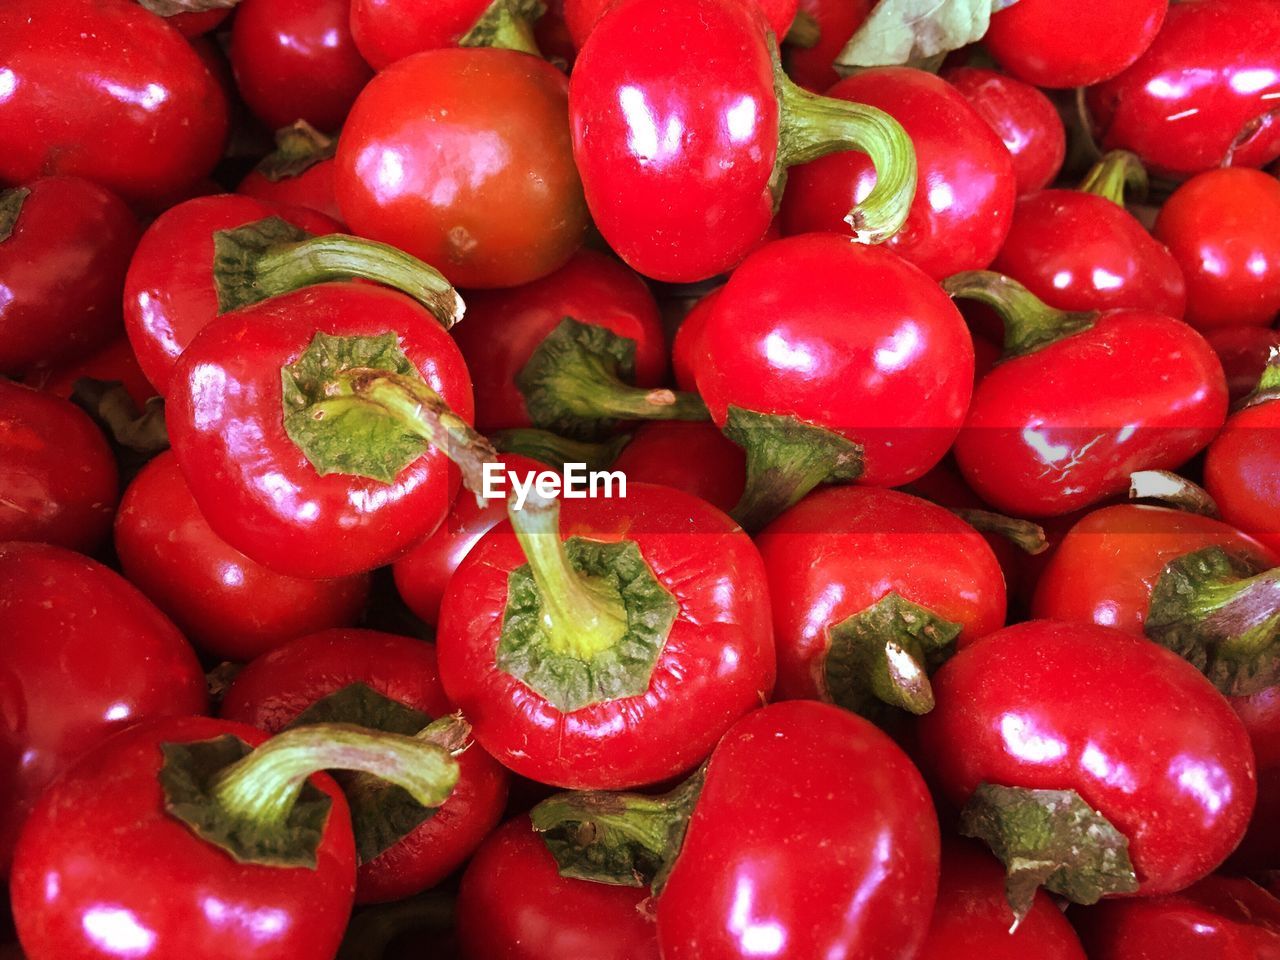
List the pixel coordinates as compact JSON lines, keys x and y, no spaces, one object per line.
{"x":441,"y":148}
{"x":1203,"y":91}
{"x":1022,"y":117}
{"x":62,"y":269}
{"x":1243,"y":352}
{"x":504,"y":327}
{"x":1219,"y":918}
{"x":513,"y":904}
{"x":693,"y":457}
{"x":312,"y":188}
{"x":126,"y":879}
{"x":581,"y":16}
{"x":837,"y":20}
{"x":226,"y":604}
{"x":115,"y":361}
{"x":70,"y":689}
{"x":1242,"y":471}
{"x":57,"y":473}
{"x":964,"y":200}
{"x":774,"y":861}
{"x":843,"y":549}
{"x":1215,"y":225}
{"x":1134,"y":729}
{"x":1063,"y":427}
{"x":687,"y":344}
{"x":272,"y":690}
{"x":389,"y":30}
{"x":169,"y":292}
{"x":1260,"y":848}
{"x":873,"y":353}
{"x":254,"y":486}
{"x":716,"y":664}
{"x":138,"y":113}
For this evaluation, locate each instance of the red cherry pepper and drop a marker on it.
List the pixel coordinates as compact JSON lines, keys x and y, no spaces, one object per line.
{"x":687,"y":345}
{"x":1022,"y":117}
{"x":442,"y":149}
{"x":1219,"y":918}
{"x":870,"y":590}
{"x":390,"y":30}
{"x":73,"y":688}
{"x":514,"y":904}
{"x":1217,"y":227}
{"x":582,"y":16}
{"x":1260,"y":714}
{"x":227,"y":605}
{"x":105,"y":91}
{"x":1244,"y":352}
{"x":1082,"y":250}
{"x":64,"y":248}
{"x":681,"y":117}
{"x":57,"y":475}
{"x":693,"y":457}
{"x":295,"y":60}
{"x":274,"y":689}
{"x":1092,"y":762}
{"x":618,"y":657}
{"x":298,"y":173}
{"x":1081,"y":401}
{"x":1202,"y":95}
{"x":964,"y":204}
{"x":1242,"y":465}
{"x":810,"y":65}
{"x":114,"y":362}
{"x":330,"y":478}
{"x":1052,"y":45}
{"x":771,"y":863}
{"x":815,"y":396}
{"x":216,"y":842}
{"x":190,"y":23}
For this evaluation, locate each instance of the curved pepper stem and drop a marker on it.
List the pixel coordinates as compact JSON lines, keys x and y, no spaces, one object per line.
{"x":1171,"y":490}
{"x":506,"y":25}
{"x":1028,"y":537}
{"x":1113,"y":173}
{"x":555,"y":451}
{"x":811,"y":126}
{"x":1029,"y":322}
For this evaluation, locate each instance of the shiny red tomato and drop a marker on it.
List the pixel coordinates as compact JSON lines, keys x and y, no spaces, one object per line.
{"x":1204,"y":92}
{"x":837,"y":21}
{"x":693,"y":457}
{"x":82,"y":655}
{"x":1242,"y":465}
{"x":105,"y":91}
{"x":964,"y":202}
{"x":442,"y":148}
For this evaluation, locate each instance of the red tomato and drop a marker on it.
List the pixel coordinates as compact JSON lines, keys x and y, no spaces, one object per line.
{"x":1132,"y":728}
{"x":272,"y":690}
{"x":227,"y":605}
{"x":1219,"y":918}
{"x":513,"y":904}
{"x":693,"y":457}
{"x":115,"y":361}
{"x":256,"y":488}
{"x":58,"y":480}
{"x":1054,"y":45}
{"x":713,"y":663}
{"x":106,"y":91}
{"x":1022,"y":117}
{"x":838,"y":21}
{"x":964,"y":202}
{"x":1217,"y":226}
{"x":441,"y":148}
{"x":843,"y":550}
{"x":1243,"y":352}
{"x":295,"y":60}
{"x":582,"y":16}
{"x":1242,"y":467}
{"x":103,"y":870}
{"x":687,"y":346}
{"x":1204,"y":92}
{"x":85,"y":654}
{"x":63,"y":254}
{"x":813,"y":836}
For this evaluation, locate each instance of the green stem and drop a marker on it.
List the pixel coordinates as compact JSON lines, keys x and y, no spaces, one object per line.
{"x":1268,"y":388}
{"x":1171,"y":490}
{"x":1029,"y":322}
{"x":1026,"y":536}
{"x":812,"y":126}
{"x":555,"y":451}
{"x":581,"y":617}
{"x":1113,"y":173}
{"x":263,"y":787}
{"x":506,"y":25}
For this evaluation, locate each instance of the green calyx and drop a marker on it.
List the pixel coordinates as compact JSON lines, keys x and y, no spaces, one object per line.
{"x":577,"y":383}
{"x":1223,"y":616}
{"x":299,"y":147}
{"x":811,"y":126}
{"x":382,"y":813}
{"x":625,"y":839}
{"x":257,"y":805}
{"x":270,"y":257}
{"x":1030,"y":324}
{"x":1171,"y":490}
{"x":1050,"y":839}
{"x":1028,"y":537}
{"x":508,"y":25}
{"x":11,"y":202}
{"x":881,"y":657}
{"x":1268,"y":388}
{"x":585,"y":620}
{"x":1113,"y":173}
{"x":358,"y":406}
{"x":555,"y":450}
{"x":786,"y":458}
